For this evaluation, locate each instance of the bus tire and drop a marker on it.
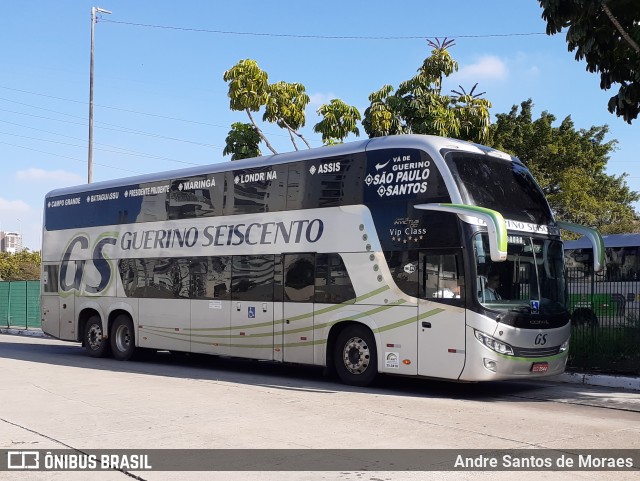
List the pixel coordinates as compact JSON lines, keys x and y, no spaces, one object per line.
{"x":355,"y":357}
{"x":95,"y":344}
{"x":123,"y":341}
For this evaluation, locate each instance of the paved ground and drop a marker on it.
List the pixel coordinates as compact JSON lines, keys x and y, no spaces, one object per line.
{"x":52,"y":396}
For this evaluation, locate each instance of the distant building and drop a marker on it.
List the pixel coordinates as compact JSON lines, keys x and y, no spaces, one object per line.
{"x":10,"y":242}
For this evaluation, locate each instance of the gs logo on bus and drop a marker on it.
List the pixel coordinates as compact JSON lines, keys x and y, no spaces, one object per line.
{"x":97,"y":259}
{"x":541,"y":340}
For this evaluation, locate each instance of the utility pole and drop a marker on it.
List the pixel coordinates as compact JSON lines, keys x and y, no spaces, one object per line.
{"x":94,"y":10}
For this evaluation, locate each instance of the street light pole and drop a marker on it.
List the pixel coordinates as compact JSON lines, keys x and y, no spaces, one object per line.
{"x":94,"y":10}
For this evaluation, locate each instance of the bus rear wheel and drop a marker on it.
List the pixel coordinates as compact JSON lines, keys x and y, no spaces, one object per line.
{"x":355,"y":356}
{"x":123,"y":341}
{"x":95,"y":344}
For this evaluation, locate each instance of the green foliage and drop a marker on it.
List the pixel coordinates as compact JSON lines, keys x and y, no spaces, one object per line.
{"x":338,"y":121}
{"x":418,"y":105}
{"x":286,"y":104}
{"x":569,"y":165}
{"x":21,"y":266}
{"x":248,"y":86}
{"x":605,"y":34}
{"x":242,"y":142}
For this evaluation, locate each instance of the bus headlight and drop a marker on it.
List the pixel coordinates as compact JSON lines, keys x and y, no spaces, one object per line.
{"x":493,"y":344}
{"x":565,"y":345}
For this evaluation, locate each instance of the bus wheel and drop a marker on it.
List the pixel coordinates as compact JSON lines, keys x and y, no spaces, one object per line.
{"x":123,"y":342}
{"x":94,"y":342}
{"x":355,"y":356}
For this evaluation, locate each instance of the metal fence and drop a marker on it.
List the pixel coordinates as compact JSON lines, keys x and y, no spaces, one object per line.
{"x":605,"y":313}
{"x":605,"y":310}
{"x":20,"y":304}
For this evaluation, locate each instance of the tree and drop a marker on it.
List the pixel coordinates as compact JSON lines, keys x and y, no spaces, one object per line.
{"x":605,"y":33}
{"x":418,"y":105}
{"x":21,"y":266}
{"x":285,"y":106}
{"x":242,"y":142}
{"x":248,"y":91}
{"x":569,"y":165}
{"x":338,"y":121}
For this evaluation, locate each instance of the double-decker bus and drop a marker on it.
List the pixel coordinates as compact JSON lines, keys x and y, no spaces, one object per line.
{"x":611,"y":296}
{"x":367,"y":257}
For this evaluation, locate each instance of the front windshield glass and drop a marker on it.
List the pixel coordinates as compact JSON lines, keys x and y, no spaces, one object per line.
{"x":531,"y":279}
{"x":499,"y":184}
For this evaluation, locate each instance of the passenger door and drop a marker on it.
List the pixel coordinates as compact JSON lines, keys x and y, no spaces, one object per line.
{"x":441,"y":314}
{"x":252,"y":294}
{"x":297,"y":308}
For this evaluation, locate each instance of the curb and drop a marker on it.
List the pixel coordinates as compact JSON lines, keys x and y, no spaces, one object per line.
{"x":22,"y":332}
{"x":602,"y":380}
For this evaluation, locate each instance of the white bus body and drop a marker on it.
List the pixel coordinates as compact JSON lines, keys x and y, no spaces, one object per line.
{"x":317,"y":257}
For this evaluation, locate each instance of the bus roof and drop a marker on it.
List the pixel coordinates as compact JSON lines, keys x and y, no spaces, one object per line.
{"x":611,"y":240}
{"x":407,"y":141}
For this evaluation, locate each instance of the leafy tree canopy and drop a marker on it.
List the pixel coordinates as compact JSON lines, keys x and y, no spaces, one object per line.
{"x":338,"y":121}
{"x":284,"y":104}
{"x":569,"y":165}
{"x":242,"y":142}
{"x":21,"y":266}
{"x":604,"y":33}
{"x":418,"y":105}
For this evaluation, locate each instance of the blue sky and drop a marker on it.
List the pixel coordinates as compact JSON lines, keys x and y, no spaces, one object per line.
{"x":161,"y":104}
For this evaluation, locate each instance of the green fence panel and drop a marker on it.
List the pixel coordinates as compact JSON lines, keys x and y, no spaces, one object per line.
{"x":4,"y":303}
{"x":33,"y":304}
{"x":20,"y":304}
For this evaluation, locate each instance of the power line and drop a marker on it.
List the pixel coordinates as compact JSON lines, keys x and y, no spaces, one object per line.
{"x":119,"y":109}
{"x":118,"y":150}
{"x":320,"y":37}
{"x":114,"y":128}
{"x":106,"y":107}
{"x":67,"y":157}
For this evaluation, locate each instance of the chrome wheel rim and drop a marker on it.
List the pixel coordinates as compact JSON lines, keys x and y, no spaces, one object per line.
{"x":356,"y":355}
{"x":94,"y":337}
{"x":123,"y":338}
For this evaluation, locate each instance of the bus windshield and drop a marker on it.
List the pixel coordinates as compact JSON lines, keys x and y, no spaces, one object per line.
{"x":500,"y":185}
{"x":531,"y":279}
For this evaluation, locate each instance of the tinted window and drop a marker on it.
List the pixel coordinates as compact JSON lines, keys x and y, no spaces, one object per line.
{"x":252,"y":278}
{"x":404,"y":270}
{"x":50,"y":281}
{"x":163,"y":278}
{"x":256,"y":190}
{"x":210,"y":277}
{"x":333,"y":284}
{"x":299,"y":277}
{"x":499,"y":184}
{"x":199,"y":196}
{"x":328,"y":182}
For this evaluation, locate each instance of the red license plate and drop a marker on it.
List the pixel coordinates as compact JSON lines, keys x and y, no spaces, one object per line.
{"x":540,"y":367}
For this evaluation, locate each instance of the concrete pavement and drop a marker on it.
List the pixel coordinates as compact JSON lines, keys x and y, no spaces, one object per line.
{"x":591,"y":379}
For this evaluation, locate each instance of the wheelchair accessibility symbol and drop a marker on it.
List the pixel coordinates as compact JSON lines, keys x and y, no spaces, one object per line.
{"x":535,"y":307}
{"x":252,"y":312}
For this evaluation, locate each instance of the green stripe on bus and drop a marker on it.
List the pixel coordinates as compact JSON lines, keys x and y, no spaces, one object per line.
{"x":305,"y":316}
{"x":186,"y":332}
{"x":404,"y":322}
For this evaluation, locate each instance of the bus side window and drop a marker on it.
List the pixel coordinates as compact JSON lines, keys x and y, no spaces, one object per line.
{"x":299,"y":277}
{"x":441,"y":277}
{"x":403,"y":266}
{"x":332,"y":281}
{"x":252,"y":278}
